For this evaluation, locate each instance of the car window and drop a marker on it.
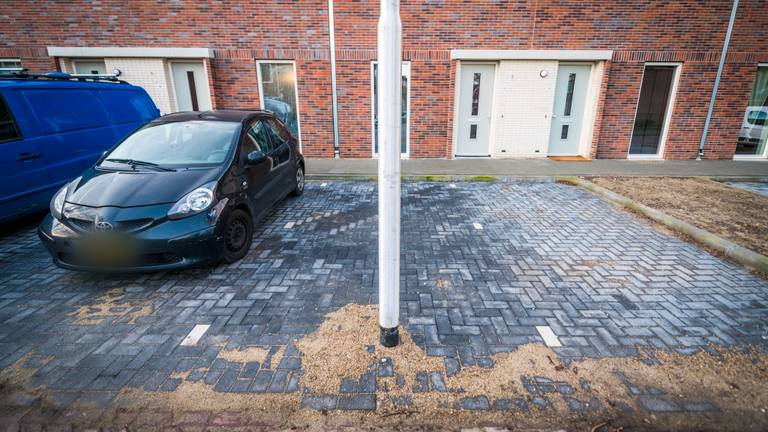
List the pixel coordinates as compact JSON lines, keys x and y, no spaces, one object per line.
{"x":257,"y":138}
{"x":60,"y":110}
{"x":178,"y":144}
{"x":128,"y":106}
{"x":8,"y":129}
{"x":280,"y":133}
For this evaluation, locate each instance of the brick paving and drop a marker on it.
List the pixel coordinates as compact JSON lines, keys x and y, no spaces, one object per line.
{"x":483,"y":264}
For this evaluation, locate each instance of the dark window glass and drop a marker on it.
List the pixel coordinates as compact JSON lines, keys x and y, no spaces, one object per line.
{"x":257,"y":138}
{"x":8,"y":129}
{"x":66,"y":110}
{"x":564,"y":132}
{"x":473,"y":131}
{"x":651,"y":109}
{"x":278,"y":82}
{"x":128,"y":106}
{"x":476,"y":93}
{"x":569,"y":95}
{"x":278,"y":133}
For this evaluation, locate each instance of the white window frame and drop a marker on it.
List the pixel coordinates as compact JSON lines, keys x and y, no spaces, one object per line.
{"x":405,"y":71}
{"x":667,"y":115}
{"x":295,"y":89}
{"x":88,"y":60}
{"x":12,"y":59}
{"x":755,"y":157}
{"x":169,"y":72}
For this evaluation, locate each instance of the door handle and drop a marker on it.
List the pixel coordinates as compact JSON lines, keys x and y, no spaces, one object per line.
{"x":27,"y":156}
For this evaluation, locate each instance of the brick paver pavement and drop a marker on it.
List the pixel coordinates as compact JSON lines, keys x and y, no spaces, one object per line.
{"x":483,"y":264}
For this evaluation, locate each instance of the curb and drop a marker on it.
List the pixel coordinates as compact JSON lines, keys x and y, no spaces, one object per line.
{"x":740,"y":254}
{"x":437,"y":178}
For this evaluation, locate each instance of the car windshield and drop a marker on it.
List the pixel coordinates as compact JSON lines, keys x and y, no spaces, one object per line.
{"x":180,"y":144}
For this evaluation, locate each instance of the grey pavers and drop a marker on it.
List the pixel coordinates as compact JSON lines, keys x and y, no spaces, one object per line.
{"x":547,"y":254}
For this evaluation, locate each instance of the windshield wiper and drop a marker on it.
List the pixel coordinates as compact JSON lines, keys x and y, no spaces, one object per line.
{"x":134,"y":163}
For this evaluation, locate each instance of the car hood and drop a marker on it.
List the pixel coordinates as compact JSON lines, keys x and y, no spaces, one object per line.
{"x":100,"y":188}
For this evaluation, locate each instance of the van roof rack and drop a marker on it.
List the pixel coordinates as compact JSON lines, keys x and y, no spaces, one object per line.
{"x":61,"y":76}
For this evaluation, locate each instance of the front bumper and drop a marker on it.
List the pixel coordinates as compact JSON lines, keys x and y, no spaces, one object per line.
{"x":172,"y":244}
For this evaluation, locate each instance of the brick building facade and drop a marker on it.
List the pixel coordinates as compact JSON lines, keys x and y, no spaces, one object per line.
{"x":518,"y":78}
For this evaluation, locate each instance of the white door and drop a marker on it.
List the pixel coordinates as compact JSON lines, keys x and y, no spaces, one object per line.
{"x":568,"y":109}
{"x":190,"y":86}
{"x":474,"y":122}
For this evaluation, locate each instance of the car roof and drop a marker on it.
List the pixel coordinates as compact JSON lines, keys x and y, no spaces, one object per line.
{"x":62,"y":84}
{"x":229,"y":115}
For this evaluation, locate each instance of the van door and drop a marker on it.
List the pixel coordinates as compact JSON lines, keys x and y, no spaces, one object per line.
{"x":23,"y":177}
{"x":74,"y":129}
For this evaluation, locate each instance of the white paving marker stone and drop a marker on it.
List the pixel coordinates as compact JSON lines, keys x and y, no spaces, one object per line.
{"x":477,"y":226}
{"x":195,"y":335}
{"x":289,"y":225}
{"x":323,"y":184}
{"x":549,"y":336}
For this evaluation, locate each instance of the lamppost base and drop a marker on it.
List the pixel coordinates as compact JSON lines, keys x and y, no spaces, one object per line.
{"x":389,"y":337}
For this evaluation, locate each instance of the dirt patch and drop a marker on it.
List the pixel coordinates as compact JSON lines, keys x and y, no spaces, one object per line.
{"x":346,"y":346}
{"x":731,"y":213}
{"x":112,"y":304}
{"x":253,"y":354}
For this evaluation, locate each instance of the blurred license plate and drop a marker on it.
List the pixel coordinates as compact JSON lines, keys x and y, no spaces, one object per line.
{"x":107,"y":250}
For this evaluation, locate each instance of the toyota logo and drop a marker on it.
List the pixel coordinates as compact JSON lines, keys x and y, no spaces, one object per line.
{"x":102,"y":226}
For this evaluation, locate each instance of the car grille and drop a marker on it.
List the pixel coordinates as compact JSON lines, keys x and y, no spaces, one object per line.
{"x":85,"y":225}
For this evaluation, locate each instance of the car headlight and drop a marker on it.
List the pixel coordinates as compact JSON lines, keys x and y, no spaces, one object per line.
{"x":194,"y":202}
{"x":57,"y":203}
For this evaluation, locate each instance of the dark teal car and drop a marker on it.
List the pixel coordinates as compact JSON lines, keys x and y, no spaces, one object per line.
{"x":52,"y":128}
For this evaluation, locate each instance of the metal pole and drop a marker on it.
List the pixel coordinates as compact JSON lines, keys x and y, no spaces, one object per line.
{"x":717,"y":79}
{"x":390,"y":105}
{"x":335,"y":101}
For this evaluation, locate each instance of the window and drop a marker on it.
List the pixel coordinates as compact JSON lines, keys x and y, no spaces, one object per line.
{"x":564,"y":132}
{"x":277,"y":82}
{"x":754,"y":128}
{"x":473,"y":131}
{"x":257,"y":138}
{"x":8,"y":66}
{"x":8,"y":129}
{"x":569,"y":96}
{"x":83,"y":109}
{"x":404,"y":113}
{"x":650,"y":118}
{"x":475,"y":93}
{"x":278,"y":132}
{"x":128,"y":106}
{"x":90,"y":67}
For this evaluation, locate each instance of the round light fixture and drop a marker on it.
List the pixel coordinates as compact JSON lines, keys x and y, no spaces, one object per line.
{"x":544,"y":73}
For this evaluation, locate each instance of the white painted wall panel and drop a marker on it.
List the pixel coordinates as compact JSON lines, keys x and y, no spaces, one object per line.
{"x":523,"y":108}
{"x":149,"y":73}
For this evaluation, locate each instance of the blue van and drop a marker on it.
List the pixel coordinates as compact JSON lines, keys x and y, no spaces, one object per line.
{"x":52,"y":129}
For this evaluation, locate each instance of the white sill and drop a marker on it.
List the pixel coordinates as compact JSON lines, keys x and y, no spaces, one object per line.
{"x":749,"y":158}
{"x":645,"y":157}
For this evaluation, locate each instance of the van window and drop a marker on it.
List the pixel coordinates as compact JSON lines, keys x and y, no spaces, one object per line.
{"x":128,"y":106}
{"x":66,"y":110}
{"x":8,"y":129}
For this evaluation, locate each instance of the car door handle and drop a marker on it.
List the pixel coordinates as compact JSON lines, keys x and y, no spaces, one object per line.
{"x":27,"y":156}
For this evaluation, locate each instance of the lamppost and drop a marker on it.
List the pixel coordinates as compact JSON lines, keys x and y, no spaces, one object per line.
{"x":390,"y":103}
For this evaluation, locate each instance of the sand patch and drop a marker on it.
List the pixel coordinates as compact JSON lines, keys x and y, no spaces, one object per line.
{"x":253,"y":354}
{"x":112,"y":304}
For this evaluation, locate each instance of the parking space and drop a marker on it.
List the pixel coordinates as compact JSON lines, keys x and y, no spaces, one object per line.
{"x":486,"y":268}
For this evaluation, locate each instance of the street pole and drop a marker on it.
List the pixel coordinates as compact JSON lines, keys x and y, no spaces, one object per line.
{"x":390,"y":103}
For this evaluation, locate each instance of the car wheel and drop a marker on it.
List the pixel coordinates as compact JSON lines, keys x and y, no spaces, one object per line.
{"x":238,"y":235}
{"x":299,"y":186}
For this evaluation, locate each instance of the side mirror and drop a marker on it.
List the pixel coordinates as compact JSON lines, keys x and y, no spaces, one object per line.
{"x":255,"y":157}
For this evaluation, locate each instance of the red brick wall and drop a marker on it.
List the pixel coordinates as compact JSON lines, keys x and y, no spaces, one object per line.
{"x":687,"y":31}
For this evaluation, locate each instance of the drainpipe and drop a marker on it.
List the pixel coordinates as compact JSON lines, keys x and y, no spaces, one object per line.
{"x":335,"y":102}
{"x":717,"y":79}
{"x":390,"y":101}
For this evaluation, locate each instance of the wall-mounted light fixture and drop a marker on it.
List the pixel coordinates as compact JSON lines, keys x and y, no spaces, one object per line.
{"x":544,"y":73}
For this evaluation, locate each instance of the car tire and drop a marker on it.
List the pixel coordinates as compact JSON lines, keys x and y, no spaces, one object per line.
{"x":299,"y":181}
{"x":238,"y":236}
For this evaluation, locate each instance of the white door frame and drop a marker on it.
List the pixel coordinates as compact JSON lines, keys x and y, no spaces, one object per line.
{"x":764,"y":155}
{"x":405,"y":65}
{"x":667,"y":115}
{"x":456,"y":101}
{"x":295,"y":89}
{"x":173,"y":81}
